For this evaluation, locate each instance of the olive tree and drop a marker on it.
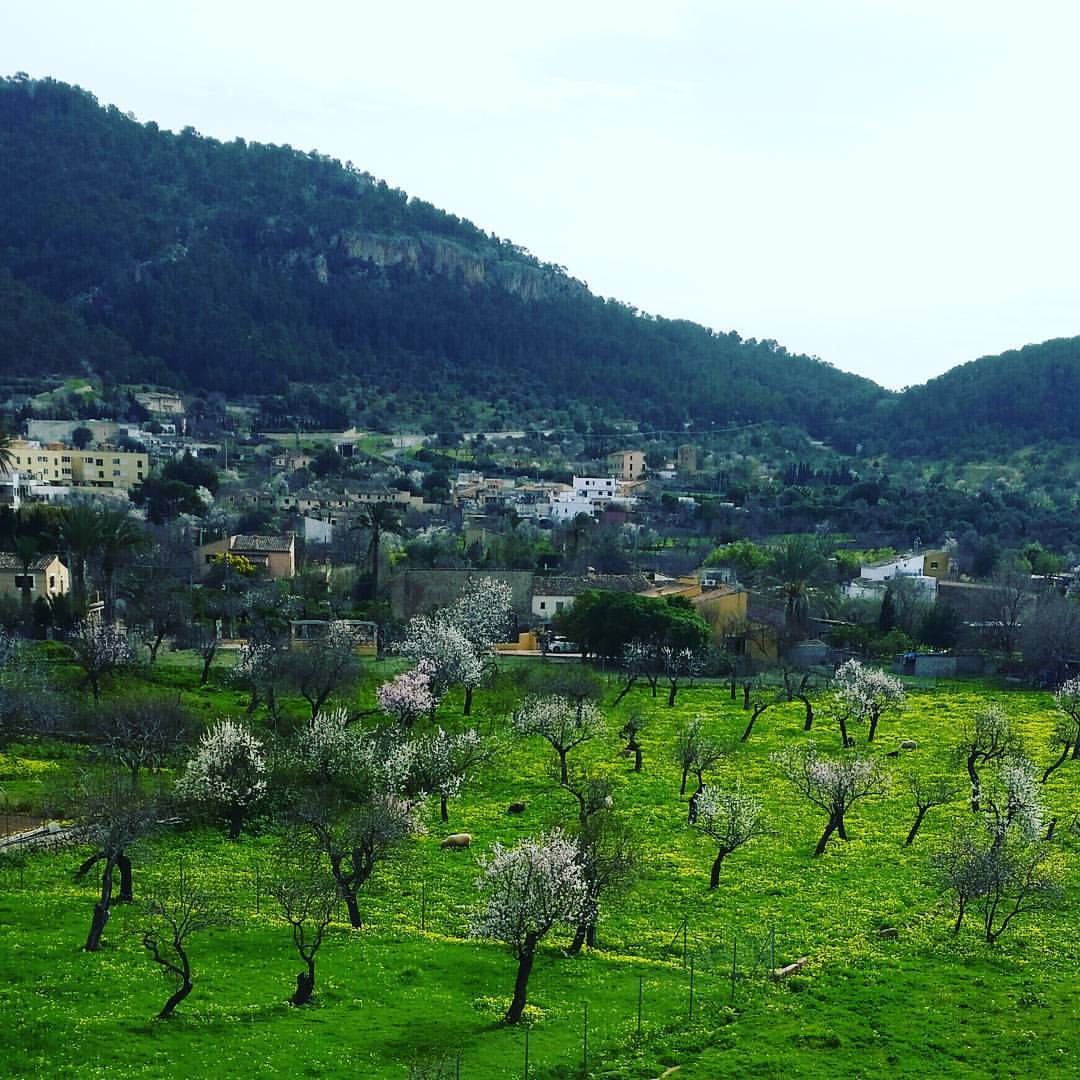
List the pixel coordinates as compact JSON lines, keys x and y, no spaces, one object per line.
{"x":526,"y":892}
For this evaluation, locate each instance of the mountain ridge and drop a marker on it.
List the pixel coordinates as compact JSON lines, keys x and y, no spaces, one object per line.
{"x":246,"y":268}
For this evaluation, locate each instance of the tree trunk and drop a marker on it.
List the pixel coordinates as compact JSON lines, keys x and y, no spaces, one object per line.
{"x":915,"y":827}
{"x":746,"y":696}
{"x":521,"y":983}
{"x":843,"y":733}
{"x":349,"y":896}
{"x":682,"y":787}
{"x":733,"y":687}
{"x":467,"y":711}
{"x":123,"y":863}
{"x":101,"y":909}
{"x":691,"y":810}
{"x":674,"y":689}
{"x":873,"y":728}
{"x":208,"y":659}
{"x":829,"y":830}
{"x":840,"y":830}
{"x":960,"y":915}
{"x":1055,"y":765}
{"x":155,"y":645}
{"x":809,"y":711}
{"x":579,"y":938}
{"x":236,"y":822}
{"x":624,"y":691}
{"x":758,"y":710}
{"x":305,"y":985}
{"x":1076,"y":750}
{"x":714,"y":877}
{"x":443,"y":812}
{"x":88,"y":865}
{"x":637,"y":758}
{"x":167,"y":1008}
{"x":564,"y":775}
{"x":975,"y":788}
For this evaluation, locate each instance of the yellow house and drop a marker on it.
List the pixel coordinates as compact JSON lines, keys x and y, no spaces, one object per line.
{"x":276,"y":555}
{"x":725,"y":609}
{"x":627,"y":464}
{"x":936,"y":564}
{"x":45,"y":576}
{"x":62,"y":465}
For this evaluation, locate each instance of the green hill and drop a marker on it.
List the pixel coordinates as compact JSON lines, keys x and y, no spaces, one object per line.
{"x":234,"y":266}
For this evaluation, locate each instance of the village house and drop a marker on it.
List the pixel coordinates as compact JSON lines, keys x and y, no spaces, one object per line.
{"x":275,"y":555}
{"x":44,"y":576}
{"x":105,"y":467}
{"x":627,"y":464}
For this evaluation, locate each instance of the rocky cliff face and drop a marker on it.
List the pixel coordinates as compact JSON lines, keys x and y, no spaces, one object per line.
{"x":436,"y":255}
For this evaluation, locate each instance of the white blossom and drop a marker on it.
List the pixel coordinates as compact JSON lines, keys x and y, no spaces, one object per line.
{"x":449,"y":653}
{"x":865,"y":694}
{"x":229,"y":767}
{"x":527,"y":890}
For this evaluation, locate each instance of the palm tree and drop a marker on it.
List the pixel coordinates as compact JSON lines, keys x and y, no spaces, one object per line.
{"x":7,"y":454}
{"x":119,"y":536}
{"x":797,"y":564}
{"x":80,"y":533}
{"x":379,"y":519}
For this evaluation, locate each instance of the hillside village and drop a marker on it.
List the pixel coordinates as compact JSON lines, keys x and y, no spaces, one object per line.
{"x":380,"y":528}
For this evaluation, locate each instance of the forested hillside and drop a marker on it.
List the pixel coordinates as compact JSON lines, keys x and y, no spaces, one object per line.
{"x":994,"y":404}
{"x":236,"y":266}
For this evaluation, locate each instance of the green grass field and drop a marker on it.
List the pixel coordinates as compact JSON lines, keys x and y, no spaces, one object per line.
{"x":394,"y":995}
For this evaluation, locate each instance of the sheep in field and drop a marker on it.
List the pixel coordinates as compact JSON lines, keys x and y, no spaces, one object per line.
{"x":457,"y":840}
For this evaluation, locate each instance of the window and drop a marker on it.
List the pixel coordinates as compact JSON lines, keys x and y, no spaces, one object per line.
{"x":52,"y":581}
{"x":66,"y":457}
{"x":543,"y":605}
{"x":88,"y":461}
{"x":24,"y":581}
{"x":116,"y":472}
{"x":116,"y":461}
{"x":933,"y":564}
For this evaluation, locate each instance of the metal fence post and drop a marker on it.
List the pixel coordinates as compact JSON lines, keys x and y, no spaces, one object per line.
{"x":585,"y":1041}
{"x":691,"y":988}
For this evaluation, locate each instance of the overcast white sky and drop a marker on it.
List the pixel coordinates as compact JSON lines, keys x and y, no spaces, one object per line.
{"x":888,"y":184}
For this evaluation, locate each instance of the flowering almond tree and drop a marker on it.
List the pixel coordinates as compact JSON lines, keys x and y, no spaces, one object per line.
{"x":528,"y":890}
{"x":730,"y":819}
{"x":1067,"y":699}
{"x":562,"y":722}
{"x":985,"y":737}
{"x":348,"y":799}
{"x":483,"y":613}
{"x":409,"y":696}
{"x":442,"y":761}
{"x":833,"y":785}
{"x":449,"y":655}
{"x":228,"y":772}
{"x":865,"y":695}
{"x":100,"y":650}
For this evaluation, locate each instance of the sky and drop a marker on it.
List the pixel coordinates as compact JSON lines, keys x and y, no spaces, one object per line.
{"x":890,"y":186}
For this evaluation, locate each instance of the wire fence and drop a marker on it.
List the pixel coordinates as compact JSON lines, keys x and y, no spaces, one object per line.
{"x":701,"y":977}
